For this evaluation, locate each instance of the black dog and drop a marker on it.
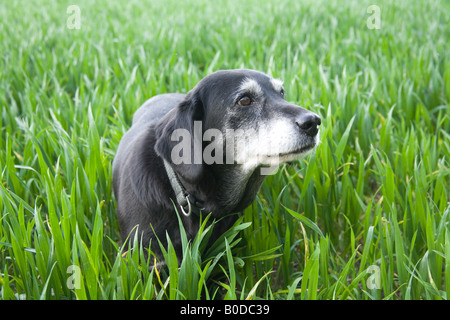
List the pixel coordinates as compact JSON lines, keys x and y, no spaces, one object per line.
{"x":207,"y":151}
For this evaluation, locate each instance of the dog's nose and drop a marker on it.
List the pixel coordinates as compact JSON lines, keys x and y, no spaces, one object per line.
{"x":309,"y":124}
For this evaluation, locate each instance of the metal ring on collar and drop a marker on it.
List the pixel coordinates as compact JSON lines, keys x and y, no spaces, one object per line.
{"x":187,"y":214}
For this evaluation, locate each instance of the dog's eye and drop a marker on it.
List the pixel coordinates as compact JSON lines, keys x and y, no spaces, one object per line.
{"x":245,"y":101}
{"x":282,"y":92}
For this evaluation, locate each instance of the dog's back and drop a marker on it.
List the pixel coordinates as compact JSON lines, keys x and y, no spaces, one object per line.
{"x":155,"y":108}
{"x":150,"y":112}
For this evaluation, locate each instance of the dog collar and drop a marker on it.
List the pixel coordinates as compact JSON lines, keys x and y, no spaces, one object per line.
{"x":187,"y":202}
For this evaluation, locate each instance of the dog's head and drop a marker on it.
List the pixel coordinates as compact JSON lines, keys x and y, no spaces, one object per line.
{"x":236,"y":117}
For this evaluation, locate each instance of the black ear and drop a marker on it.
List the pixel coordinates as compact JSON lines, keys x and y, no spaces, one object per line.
{"x":187,"y":116}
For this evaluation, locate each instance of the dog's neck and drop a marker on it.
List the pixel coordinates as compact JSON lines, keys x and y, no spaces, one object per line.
{"x":186,"y":201}
{"x":224,"y":196}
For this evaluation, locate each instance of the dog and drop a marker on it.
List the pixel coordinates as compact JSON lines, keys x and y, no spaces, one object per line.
{"x":205,"y":152}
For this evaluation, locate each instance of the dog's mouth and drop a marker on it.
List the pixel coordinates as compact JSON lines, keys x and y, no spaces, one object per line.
{"x":284,"y":152}
{"x":299,"y":151}
{"x":275,"y":160}
{"x":294,"y":154}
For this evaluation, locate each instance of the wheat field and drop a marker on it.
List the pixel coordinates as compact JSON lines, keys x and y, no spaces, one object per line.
{"x":365,"y":217}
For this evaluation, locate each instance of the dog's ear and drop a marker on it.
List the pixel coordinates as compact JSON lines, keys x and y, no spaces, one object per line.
{"x":179,"y":138}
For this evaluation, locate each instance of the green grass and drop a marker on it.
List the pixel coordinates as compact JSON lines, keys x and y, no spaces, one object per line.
{"x":371,"y":206}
